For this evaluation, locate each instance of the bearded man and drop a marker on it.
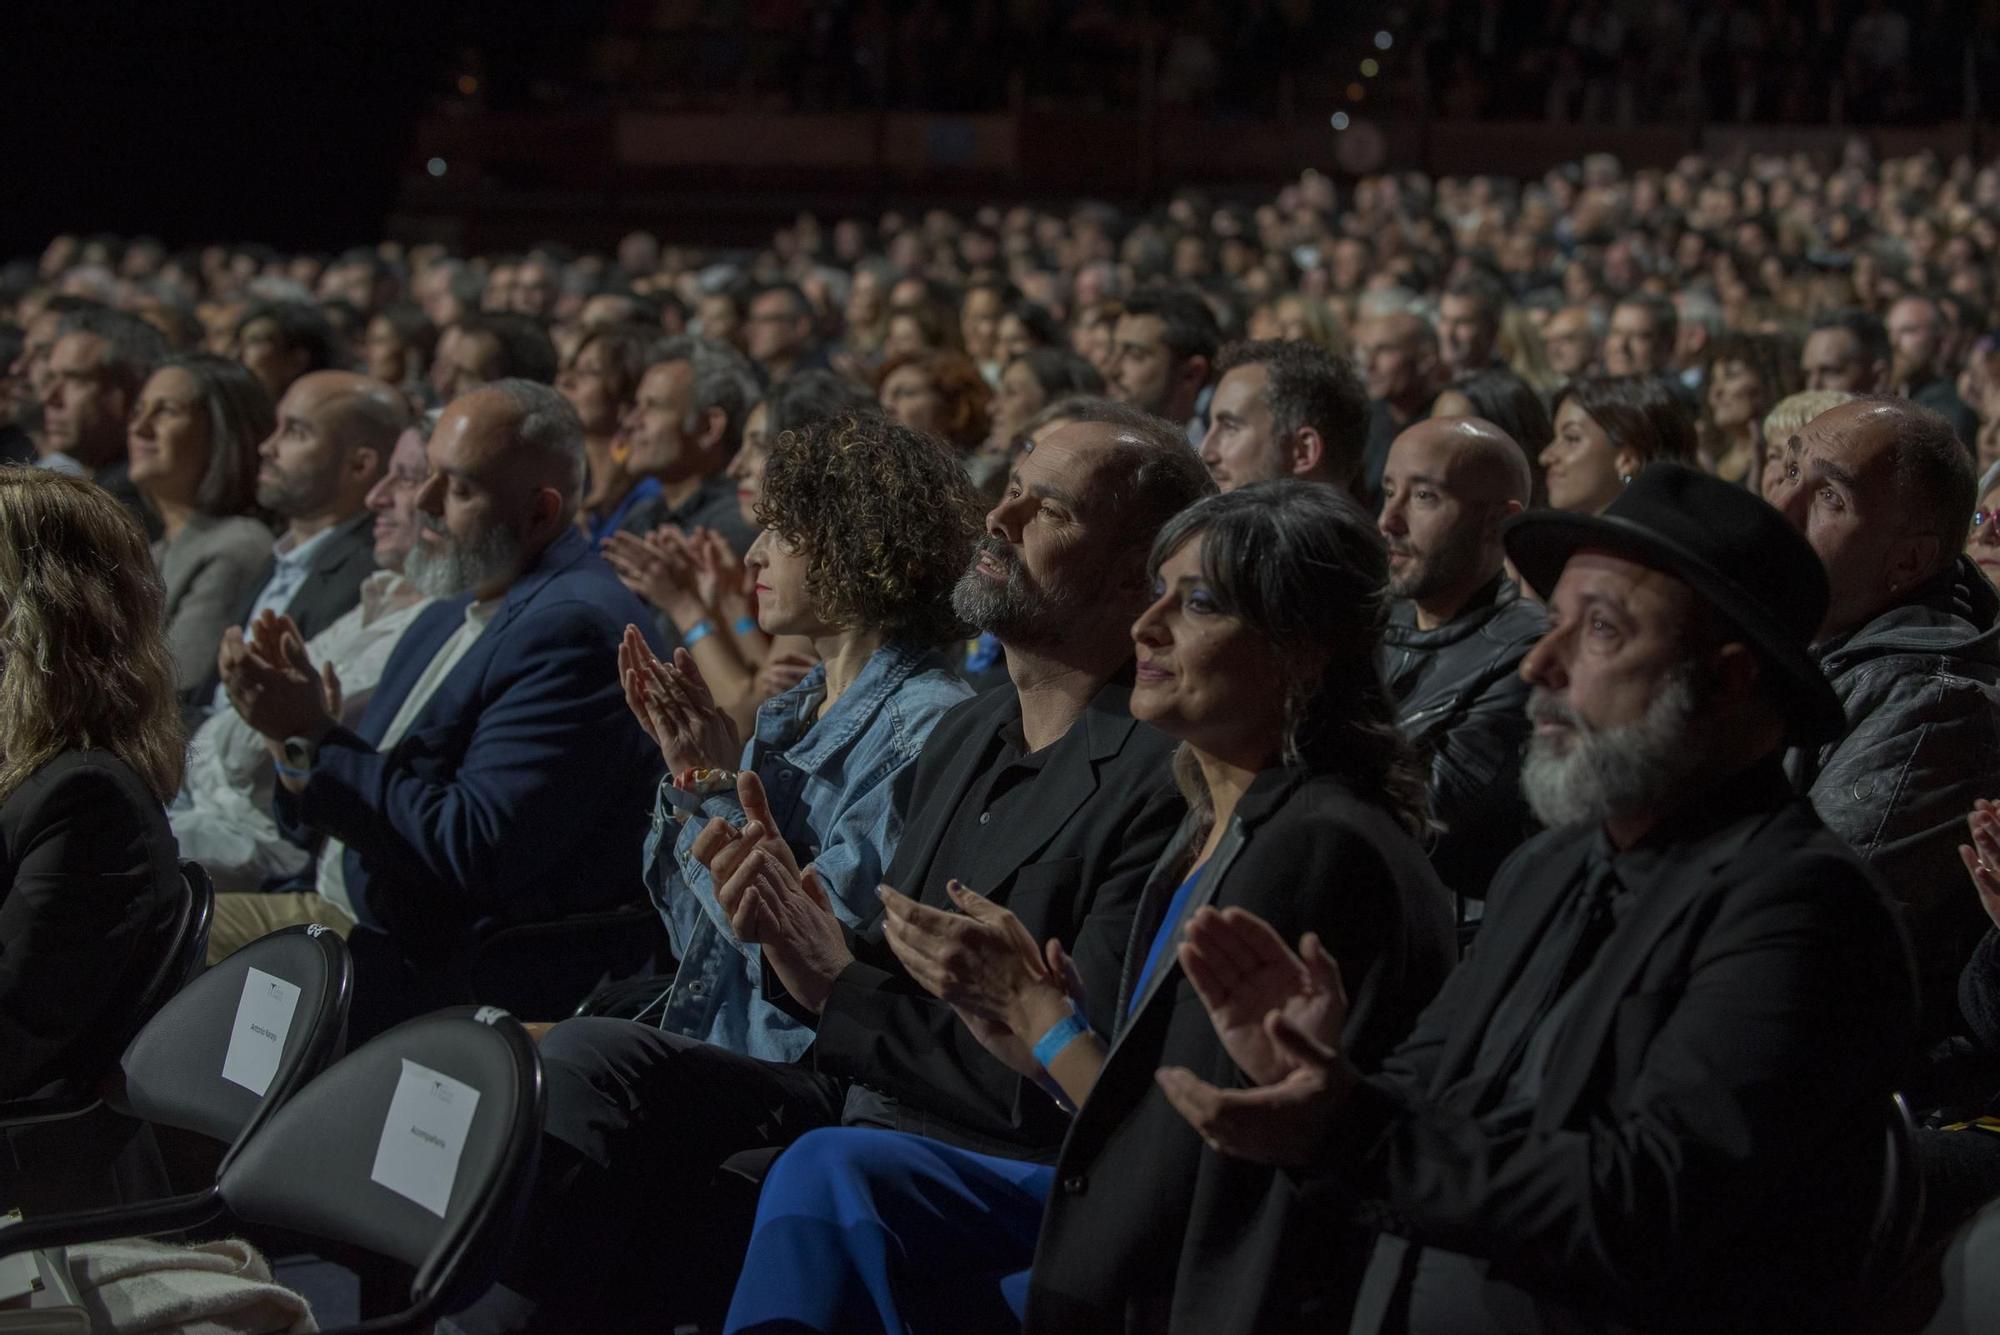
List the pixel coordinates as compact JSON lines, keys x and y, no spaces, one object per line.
{"x":1654,"y":1096}
{"x":496,"y":772}
{"x":1456,"y":635}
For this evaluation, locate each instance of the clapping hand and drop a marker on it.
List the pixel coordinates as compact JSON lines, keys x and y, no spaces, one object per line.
{"x":771,"y":901}
{"x":673,"y":704}
{"x":660,"y":568}
{"x":272,"y":682}
{"x":718,"y":570}
{"x":1279,"y":1017}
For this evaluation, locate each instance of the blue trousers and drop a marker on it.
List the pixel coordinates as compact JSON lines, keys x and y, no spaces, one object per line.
{"x":860,"y":1230}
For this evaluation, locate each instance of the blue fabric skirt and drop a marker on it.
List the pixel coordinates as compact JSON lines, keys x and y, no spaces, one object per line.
{"x":860,"y":1230}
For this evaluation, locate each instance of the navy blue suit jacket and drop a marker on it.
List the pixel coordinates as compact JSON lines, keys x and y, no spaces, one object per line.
{"x":522,"y":790}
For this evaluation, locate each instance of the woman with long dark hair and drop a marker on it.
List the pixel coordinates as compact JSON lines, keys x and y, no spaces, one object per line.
{"x":1259,"y":654}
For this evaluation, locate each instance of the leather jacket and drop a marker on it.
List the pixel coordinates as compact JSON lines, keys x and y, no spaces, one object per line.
{"x":1461,"y":700}
{"x":1920,"y":685}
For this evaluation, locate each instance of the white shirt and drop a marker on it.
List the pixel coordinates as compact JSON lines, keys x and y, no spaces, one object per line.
{"x":332,"y":880}
{"x":223,"y":815}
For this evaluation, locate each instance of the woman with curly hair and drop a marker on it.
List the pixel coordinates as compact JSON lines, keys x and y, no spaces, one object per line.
{"x":91,"y":750}
{"x":867,"y":527}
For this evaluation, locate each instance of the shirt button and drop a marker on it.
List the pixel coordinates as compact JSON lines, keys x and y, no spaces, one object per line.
{"x":786,"y":775}
{"x":985,"y":817}
{"x":698,"y":989}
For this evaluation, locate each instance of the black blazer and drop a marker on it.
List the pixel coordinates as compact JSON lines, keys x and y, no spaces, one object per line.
{"x":330,"y":590}
{"x":1148,"y":1230}
{"x":90,"y":897}
{"x":1705,"y":1153}
{"x":1105,"y":808}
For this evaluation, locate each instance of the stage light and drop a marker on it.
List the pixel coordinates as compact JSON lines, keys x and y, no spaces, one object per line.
{"x":467,"y":84}
{"x":1383,"y":41}
{"x":1370,"y":68}
{"x":1340,"y":120}
{"x":1355,"y":92}
{"x":435,"y":166}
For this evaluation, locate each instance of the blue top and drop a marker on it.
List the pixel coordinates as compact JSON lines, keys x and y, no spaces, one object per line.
{"x":599,"y":531}
{"x":831,"y":788}
{"x":1175,"y":907}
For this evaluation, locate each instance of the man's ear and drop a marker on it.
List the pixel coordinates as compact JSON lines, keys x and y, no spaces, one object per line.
{"x":545,"y":509}
{"x":714,"y":427}
{"x":1194,"y":372}
{"x":1912,"y":560}
{"x":365,"y":461}
{"x":1307,"y":451}
{"x":1496,"y":516}
{"x":1735,"y":673}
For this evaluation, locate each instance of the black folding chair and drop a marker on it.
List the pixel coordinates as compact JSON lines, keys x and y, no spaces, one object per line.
{"x":1899,"y":1210}
{"x":172,"y":1073}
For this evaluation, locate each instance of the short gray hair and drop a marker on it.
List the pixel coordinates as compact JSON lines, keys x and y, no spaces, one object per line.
{"x":133,"y":348}
{"x":548,"y":428}
{"x":722,"y":379}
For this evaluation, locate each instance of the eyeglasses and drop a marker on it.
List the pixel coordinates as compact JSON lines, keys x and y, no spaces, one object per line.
{"x":1981,"y":518}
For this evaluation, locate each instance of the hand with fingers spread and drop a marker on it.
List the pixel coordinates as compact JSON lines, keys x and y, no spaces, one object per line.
{"x":1284,"y":1123}
{"x":673,"y":704}
{"x":981,"y":960}
{"x":718,"y":570}
{"x":1246,"y":976}
{"x":1982,"y":856}
{"x":272,"y":682}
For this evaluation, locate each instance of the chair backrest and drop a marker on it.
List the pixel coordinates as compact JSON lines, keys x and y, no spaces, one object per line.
{"x":242,"y":1038}
{"x":184,"y":955}
{"x":420,"y":1145}
{"x":1892,"y":1234}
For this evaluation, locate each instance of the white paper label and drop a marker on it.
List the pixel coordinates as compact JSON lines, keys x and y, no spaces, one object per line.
{"x":424,"y":1135}
{"x":263,"y":1019}
{"x":18,"y":1273}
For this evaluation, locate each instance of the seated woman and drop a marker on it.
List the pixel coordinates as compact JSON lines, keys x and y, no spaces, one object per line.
{"x":193,"y":443}
{"x":867,"y":528}
{"x":1747,"y":375}
{"x":1305,"y":803}
{"x":1607,"y":429}
{"x":938,"y":392}
{"x":600,"y":381}
{"x":91,"y":749}
{"x":1028,"y":384}
{"x":1983,"y":543}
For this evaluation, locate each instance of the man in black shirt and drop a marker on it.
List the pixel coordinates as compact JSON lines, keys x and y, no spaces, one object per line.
{"x":1044,"y":794}
{"x":1654,"y":1096}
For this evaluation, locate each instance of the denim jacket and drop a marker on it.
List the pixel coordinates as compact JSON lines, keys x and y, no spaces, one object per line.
{"x":830,"y":785}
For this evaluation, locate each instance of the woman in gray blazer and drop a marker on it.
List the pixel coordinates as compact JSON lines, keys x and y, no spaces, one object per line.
{"x":193,"y":443}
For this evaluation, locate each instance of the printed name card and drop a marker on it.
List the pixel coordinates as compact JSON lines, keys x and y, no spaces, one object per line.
{"x":424,"y":1136}
{"x":263,"y":1019}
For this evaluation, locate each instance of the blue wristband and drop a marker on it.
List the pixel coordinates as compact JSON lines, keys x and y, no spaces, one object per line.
{"x":747,"y":626}
{"x":287,"y":772}
{"x":696,"y":633}
{"x":1061,"y":1034}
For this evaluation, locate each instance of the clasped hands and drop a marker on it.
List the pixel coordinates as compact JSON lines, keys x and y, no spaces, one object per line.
{"x":684,"y":575}
{"x":675,"y":707}
{"x":272,"y":682}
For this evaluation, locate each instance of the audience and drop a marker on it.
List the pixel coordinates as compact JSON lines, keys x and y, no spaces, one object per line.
{"x":1760,"y":990}
{"x":867,"y":527}
{"x":1165,"y":344}
{"x":223,"y":817}
{"x":1258,"y":654}
{"x":601,"y":382}
{"x":1397,"y":355}
{"x":778,"y":333}
{"x":279,"y":341}
{"x":940,"y":394}
{"x":496,"y":771}
{"x":1456,"y":635}
{"x":97,"y":366}
{"x":1882,"y":490}
{"x":194,"y":437}
{"x":1746,"y":375}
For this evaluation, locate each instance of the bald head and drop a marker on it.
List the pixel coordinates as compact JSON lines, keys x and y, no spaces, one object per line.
{"x":335,"y":433}
{"x":1448,"y":484}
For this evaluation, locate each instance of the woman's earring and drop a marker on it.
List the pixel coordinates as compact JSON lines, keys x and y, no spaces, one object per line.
{"x":1624,"y":479}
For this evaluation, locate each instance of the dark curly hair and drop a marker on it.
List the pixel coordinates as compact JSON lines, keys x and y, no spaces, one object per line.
{"x":885,"y":516}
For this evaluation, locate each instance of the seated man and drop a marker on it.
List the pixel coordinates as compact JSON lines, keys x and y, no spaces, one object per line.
{"x":1654,"y":1096}
{"x":1457,"y":633}
{"x":1044,"y":794}
{"x":1285,"y":410}
{"x":1883,"y":491}
{"x":335,"y":432}
{"x":497,"y":771}
{"x":98,"y":364}
{"x":223,"y":818}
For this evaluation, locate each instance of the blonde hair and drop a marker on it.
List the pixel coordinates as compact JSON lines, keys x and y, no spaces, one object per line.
{"x":1793,"y":411}
{"x":82,"y":628}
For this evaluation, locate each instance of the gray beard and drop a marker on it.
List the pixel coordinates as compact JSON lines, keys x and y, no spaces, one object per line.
{"x":449,"y":568}
{"x":1013,"y":611}
{"x":1594,"y":775}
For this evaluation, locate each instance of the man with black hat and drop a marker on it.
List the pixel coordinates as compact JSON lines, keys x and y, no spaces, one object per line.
{"x":1654,"y":1095}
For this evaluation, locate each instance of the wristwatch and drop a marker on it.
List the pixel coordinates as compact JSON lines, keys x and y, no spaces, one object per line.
{"x":300,"y":752}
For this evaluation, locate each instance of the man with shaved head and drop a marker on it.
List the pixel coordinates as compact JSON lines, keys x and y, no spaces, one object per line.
{"x":496,"y":773}
{"x":1397,"y":356}
{"x":1884,"y":492}
{"x":1457,"y":634}
{"x":335,"y":433}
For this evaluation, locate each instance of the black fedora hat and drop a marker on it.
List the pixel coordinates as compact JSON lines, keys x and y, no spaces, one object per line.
{"x":1737,"y":554}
